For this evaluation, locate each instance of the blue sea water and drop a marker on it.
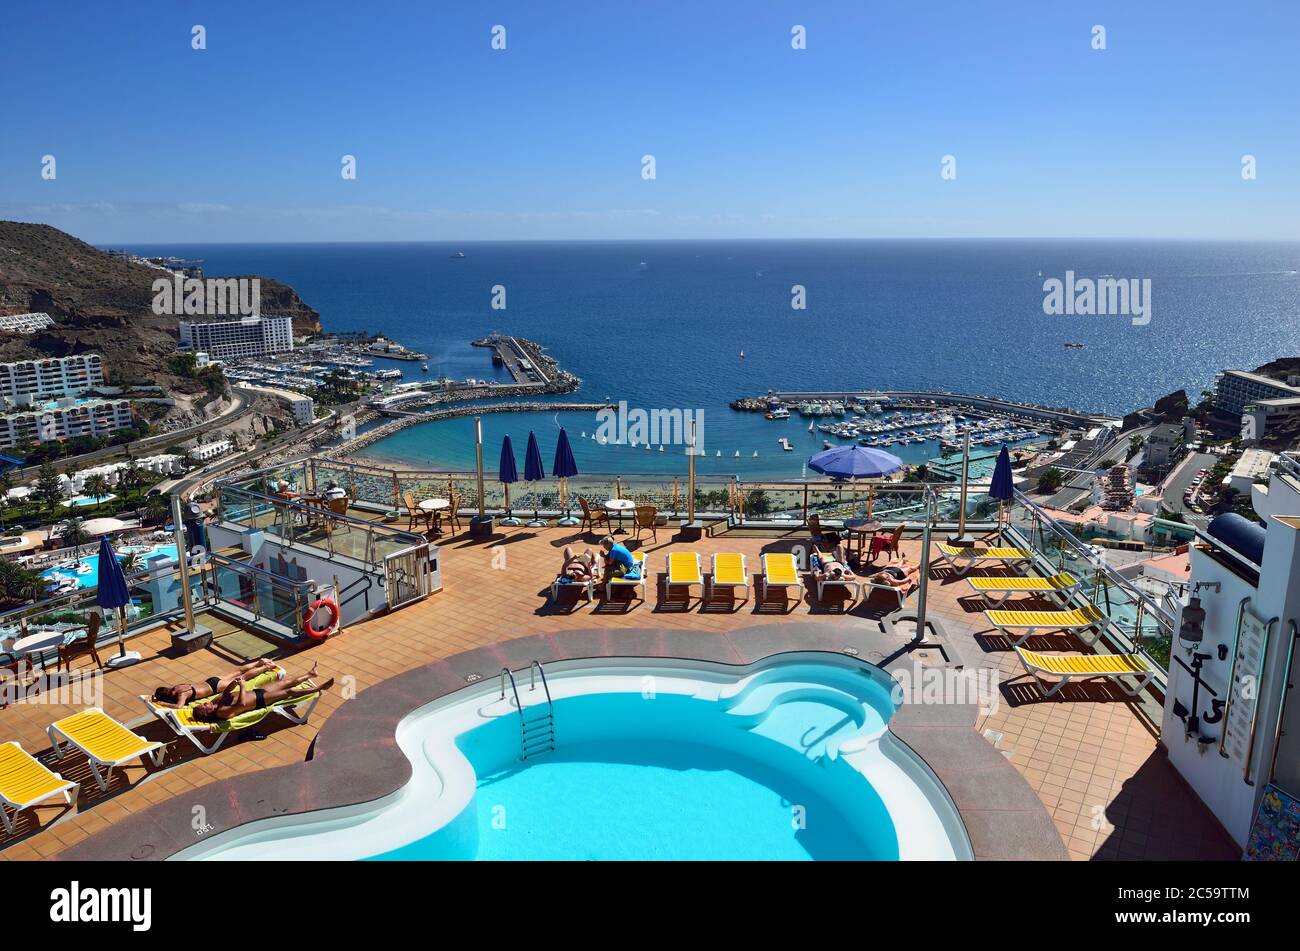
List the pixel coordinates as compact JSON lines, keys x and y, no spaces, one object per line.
{"x":663,"y":324}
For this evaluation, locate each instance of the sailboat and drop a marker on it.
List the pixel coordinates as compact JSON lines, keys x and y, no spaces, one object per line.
{"x":742,"y":354}
{"x":810,"y":427}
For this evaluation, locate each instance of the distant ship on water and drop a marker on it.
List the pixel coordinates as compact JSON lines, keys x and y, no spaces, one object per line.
{"x":457,"y":254}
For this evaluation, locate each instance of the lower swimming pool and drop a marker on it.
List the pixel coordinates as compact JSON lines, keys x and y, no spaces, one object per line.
{"x":654,"y":759}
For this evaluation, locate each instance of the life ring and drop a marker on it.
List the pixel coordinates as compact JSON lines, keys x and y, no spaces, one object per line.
{"x":308,"y":618}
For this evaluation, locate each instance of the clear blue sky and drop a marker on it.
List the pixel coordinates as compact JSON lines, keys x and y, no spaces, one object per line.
{"x":242,"y":141}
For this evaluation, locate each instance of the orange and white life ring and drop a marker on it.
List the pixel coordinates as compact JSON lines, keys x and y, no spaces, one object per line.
{"x":316,"y":631}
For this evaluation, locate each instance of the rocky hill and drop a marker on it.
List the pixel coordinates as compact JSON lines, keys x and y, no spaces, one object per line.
{"x":101,"y":303}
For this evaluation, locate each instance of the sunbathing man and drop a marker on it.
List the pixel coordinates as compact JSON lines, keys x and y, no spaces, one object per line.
{"x":237,"y":699}
{"x":831,"y":567}
{"x":901,"y":575}
{"x":577,"y":569}
{"x":179,"y":695}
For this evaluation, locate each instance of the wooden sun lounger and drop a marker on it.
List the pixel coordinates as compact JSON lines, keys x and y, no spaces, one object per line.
{"x":1069,"y":667}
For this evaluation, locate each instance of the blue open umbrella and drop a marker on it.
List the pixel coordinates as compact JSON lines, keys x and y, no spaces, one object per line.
{"x":853,"y":463}
{"x":1003,"y":487}
{"x":507,"y":473}
{"x":533,"y":472}
{"x":110,"y":587}
{"x":563,"y":468}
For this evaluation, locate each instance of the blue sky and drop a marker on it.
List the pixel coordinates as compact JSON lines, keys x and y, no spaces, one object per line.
{"x":155,"y":141}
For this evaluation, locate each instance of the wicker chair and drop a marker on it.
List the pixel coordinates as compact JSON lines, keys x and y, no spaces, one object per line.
{"x":83,"y":645}
{"x":591,"y":519}
{"x":646,"y":517}
{"x":452,"y":514}
{"x":416,"y":515}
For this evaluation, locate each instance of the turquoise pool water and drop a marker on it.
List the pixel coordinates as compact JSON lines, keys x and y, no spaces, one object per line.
{"x":791,"y":762}
{"x":81,"y":500}
{"x":87,"y":579}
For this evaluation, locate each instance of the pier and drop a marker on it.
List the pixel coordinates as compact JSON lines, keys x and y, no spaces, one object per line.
{"x":1062,"y":416}
{"x":399,"y":418}
{"x":524,"y":359}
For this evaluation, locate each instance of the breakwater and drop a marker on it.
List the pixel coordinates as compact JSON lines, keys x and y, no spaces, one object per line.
{"x":412,"y":418}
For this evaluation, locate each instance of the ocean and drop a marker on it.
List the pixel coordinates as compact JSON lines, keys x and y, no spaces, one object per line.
{"x":663,"y":325}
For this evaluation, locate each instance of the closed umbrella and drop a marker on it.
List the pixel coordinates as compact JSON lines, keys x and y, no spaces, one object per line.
{"x":508,"y":473}
{"x":564,"y":467}
{"x":1003,"y":487}
{"x":533,"y":472}
{"x":111,"y":592}
{"x":853,"y":463}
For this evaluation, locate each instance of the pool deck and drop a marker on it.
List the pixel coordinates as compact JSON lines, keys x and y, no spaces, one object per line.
{"x":1080,"y":775}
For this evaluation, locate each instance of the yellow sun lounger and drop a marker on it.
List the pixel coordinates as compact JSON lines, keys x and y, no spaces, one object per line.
{"x":637,"y":582}
{"x":728,"y":571}
{"x":105,"y":742}
{"x":1076,"y":621}
{"x":684,"y":570}
{"x":1087,"y":667}
{"x":182,"y":723}
{"x":998,"y":590}
{"x":964,"y":559}
{"x":26,"y":782}
{"x":780,"y":571}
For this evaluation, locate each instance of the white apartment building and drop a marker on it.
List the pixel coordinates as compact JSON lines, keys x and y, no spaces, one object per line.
{"x":238,"y":339}
{"x":36,"y":380}
{"x":210,"y":450}
{"x":24,"y":323}
{"x":65,"y":418}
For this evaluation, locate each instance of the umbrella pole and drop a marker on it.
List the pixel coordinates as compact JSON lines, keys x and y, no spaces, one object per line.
{"x":510,"y":517}
{"x":537,"y":519}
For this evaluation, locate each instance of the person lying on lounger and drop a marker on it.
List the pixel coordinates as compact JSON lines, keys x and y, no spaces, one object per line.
{"x":237,"y":699}
{"x":577,"y":569}
{"x":830,"y":566}
{"x":902,"y":575}
{"x":178,"y":695}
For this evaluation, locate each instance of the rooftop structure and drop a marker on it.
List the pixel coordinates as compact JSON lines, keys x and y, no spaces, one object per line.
{"x":24,"y":323}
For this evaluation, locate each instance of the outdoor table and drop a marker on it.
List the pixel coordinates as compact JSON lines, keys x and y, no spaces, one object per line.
{"x":435,"y":507}
{"x":619,"y":507}
{"x":858,"y":535}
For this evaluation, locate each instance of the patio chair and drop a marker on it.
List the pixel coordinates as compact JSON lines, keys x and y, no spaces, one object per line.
{"x":105,"y":742}
{"x":83,"y":645}
{"x":821,"y":536}
{"x":180,"y":720}
{"x":591,"y":519}
{"x":452,"y":515}
{"x":780,"y":571}
{"x":888,"y":543}
{"x":964,"y":559}
{"x":1078,"y":621}
{"x":727,"y":570}
{"x":1112,"y":667}
{"x":997,"y":591}
{"x":647,"y":516}
{"x":683,"y":571}
{"x":634,"y":583}
{"x":26,"y":782}
{"x":415,"y":515}
{"x":337,"y":506}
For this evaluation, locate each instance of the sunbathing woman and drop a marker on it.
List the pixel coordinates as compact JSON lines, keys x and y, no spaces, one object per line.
{"x":237,"y":699}
{"x":831,"y":567}
{"x":577,"y":569}
{"x":901,"y":575}
{"x":178,"y":695}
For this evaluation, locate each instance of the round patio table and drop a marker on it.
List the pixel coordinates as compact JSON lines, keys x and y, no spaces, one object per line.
{"x":435,"y":507}
{"x":619,"y":507}
{"x":859,"y":533}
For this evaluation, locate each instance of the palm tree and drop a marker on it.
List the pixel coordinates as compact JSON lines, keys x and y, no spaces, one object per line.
{"x":73,"y":535}
{"x":155,"y":507}
{"x":131,"y":562}
{"x":97,"y":487}
{"x":132,"y":476}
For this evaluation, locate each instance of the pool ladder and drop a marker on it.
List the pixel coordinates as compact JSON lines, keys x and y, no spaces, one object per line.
{"x":538,"y":734}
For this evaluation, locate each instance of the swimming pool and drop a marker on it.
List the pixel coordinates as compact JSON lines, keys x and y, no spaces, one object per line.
{"x":80,"y":500}
{"x":88,"y":578}
{"x":654,"y":759}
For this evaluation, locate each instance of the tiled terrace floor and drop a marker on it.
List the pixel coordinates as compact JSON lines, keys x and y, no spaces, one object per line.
{"x":1090,"y":755}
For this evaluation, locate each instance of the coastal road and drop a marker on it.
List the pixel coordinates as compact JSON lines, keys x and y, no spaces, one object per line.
{"x":1181,"y":478}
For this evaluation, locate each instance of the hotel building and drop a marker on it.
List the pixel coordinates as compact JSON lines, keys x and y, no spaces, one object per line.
{"x":65,"y":418}
{"x":36,"y":380}
{"x":1236,"y":388}
{"x":238,"y":339}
